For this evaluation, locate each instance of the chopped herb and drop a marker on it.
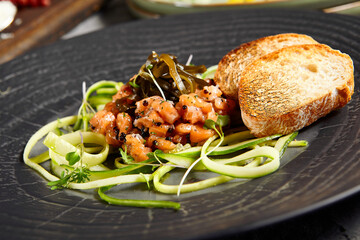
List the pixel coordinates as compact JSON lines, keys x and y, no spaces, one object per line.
{"x":78,"y":175}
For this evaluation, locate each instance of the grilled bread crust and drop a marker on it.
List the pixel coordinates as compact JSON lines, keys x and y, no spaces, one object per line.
{"x":232,"y":64}
{"x":290,"y":88}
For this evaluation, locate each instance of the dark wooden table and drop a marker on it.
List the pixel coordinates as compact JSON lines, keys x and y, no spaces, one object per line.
{"x":337,"y":221}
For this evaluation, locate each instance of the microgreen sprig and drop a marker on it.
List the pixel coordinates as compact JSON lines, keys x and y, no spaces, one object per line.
{"x":84,"y":112}
{"x":125,"y":157}
{"x":79,"y":174}
{"x":148,"y":68}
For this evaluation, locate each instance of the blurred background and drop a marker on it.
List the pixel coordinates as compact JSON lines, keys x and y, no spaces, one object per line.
{"x":27,"y":24}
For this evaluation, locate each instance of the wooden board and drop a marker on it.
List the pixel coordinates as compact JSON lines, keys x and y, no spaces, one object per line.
{"x":38,"y":26}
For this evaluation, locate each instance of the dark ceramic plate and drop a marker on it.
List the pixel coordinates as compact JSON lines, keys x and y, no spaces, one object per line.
{"x":45,"y":84}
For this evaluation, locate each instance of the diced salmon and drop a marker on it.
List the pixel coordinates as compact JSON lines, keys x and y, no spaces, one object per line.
{"x":112,"y":135}
{"x":209,"y":93}
{"x":183,"y":139}
{"x":136,"y":147}
{"x":193,"y":115}
{"x":207,"y":107}
{"x":166,"y":110}
{"x":155,"y":120}
{"x":193,"y":109}
{"x":124,"y":122}
{"x":111,"y":107}
{"x":144,"y":106}
{"x":148,"y":120}
{"x":199,"y":134}
{"x":124,"y":91}
{"x":160,"y":143}
{"x":183,"y":128}
{"x":143,"y":122}
{"x":101,"y":121}
{"x":212,"y":115}
{"x":159,"y":129}
{"x":224,"y":106}
{"x":155,"y":117}
{"x":195,"y":133}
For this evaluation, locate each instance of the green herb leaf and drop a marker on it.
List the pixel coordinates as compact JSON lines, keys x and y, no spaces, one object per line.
{"x":126,"y":158}
{"x":72,"y":158}
{"x":78,"y":175}
{"x":210,"y":124}
{"x":223,"y":120}
{"x":59,"y":184}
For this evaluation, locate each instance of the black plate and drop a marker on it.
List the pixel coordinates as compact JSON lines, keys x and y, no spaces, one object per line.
{"x":46,"y":84}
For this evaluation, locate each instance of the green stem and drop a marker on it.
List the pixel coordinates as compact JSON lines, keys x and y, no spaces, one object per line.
{"x":136,"y":202}
{"x":102,"y":84}
{"x":99,"y":100}
{"x":107,"y":90}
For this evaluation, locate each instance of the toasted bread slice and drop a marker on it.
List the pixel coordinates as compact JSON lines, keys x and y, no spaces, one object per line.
{"x":232,"y":64}
{"x":291,"y":88}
